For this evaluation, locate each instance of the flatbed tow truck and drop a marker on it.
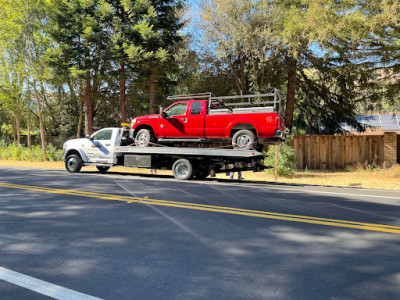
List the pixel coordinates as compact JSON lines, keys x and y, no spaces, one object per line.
{"x":110,"y":147}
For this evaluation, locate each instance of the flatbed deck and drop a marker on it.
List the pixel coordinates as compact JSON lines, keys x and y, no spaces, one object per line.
{"x":200,"y":152}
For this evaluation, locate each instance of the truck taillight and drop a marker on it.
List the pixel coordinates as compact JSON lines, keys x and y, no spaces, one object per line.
{"x":277,"y":120}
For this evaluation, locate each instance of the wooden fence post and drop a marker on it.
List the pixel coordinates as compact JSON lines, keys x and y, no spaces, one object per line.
{"x":276,"y":163}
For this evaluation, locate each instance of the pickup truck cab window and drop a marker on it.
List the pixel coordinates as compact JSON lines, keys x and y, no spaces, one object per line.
{"x":103,"y":135}
{"x":196,"y":108}
{"x":178,"y":109}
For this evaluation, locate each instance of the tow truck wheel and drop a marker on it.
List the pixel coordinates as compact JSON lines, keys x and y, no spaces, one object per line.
{"x":200,"y":172}
{"x":73,"y":164}
{"x":243,"y":139}
{"x":182,"y":169}
{"x":102,"y":169}
{"x":143,"y":138}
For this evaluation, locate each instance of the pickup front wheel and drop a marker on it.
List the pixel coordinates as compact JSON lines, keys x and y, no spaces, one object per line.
{"x":143,"y":138}
{"x":182,"y":169}
{"x":243,"y":139}
{"x":73,"y":163}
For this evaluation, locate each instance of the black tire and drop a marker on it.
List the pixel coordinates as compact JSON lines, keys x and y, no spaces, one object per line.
{"x":73,"y":163}
{"x":182,"y":169}
{"x":143,"y":138}
{"x":243,"y":139}
{"x":260,"y":148}
{"x":201,"y":173}
{"x":102,"y":169}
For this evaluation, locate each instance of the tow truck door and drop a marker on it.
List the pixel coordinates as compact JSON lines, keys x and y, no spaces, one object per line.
{"x":99,"y":148}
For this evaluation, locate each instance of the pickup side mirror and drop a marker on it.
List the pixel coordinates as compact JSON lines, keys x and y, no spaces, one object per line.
{"x":163,"y":114}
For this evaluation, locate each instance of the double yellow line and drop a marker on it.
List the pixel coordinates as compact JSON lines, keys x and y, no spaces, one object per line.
{"x":213,"y":208}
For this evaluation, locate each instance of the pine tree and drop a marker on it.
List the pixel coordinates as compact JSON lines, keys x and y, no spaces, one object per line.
{"x":80,"y":31}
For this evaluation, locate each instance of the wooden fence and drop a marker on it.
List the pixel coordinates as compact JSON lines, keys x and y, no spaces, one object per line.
{"x":338,"y":151}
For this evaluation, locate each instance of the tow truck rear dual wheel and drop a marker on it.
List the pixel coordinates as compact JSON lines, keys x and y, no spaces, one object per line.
{"x":182,"y":169}
{"x":102,"y":169}
{"x":201,"y":172}
{"x":73,"y":163}
{"x":243,"y":139}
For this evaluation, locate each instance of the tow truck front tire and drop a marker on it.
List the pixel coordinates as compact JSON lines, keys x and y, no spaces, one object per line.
{"x":73,"y":163}
{"x":182,"y":169}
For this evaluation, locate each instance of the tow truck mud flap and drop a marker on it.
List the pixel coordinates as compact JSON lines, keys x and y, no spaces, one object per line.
{"x":138,"y":161}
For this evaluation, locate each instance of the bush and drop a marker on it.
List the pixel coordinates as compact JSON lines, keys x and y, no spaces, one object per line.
{"x":286,"y":160}
{"x":53,"y":154}
{"x":29,"y":154}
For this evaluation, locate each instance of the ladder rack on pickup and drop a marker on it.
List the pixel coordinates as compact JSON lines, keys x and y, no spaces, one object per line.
{"x":229,"y":101}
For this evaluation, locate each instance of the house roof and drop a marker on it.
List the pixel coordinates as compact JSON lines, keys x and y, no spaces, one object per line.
{"x":388,"y":122}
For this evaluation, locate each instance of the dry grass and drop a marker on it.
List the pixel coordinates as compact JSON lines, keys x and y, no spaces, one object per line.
{"x":388,"y":179}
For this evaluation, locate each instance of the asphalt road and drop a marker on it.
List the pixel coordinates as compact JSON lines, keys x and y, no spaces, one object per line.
{"x":115,"y":236}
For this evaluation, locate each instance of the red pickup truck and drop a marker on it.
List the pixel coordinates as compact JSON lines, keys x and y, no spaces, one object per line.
{"x":212,"y":120}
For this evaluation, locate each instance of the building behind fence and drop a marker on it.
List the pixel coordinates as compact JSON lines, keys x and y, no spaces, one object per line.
{"x":329,"y":152}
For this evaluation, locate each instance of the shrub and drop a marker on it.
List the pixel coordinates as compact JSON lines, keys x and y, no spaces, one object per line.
{"x":16,"y":152}
{"x":54,"y":154}
{"x":29,"y":154}
{"x":286,"y":160}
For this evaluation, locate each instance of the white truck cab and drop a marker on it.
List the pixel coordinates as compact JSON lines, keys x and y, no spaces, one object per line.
{"x":96,"y":149}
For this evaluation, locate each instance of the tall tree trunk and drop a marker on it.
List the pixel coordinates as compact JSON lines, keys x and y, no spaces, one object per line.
{"x":152,"y":90}
{"x":291,"y":93}
{"x":47,"y":103}
{"x":81,"y":104}
{"x":233,"y":72}
{"x":89,"y":106}
{"x":28,"y":111}
{"x":41,"y":126}
{"x":18,"y":128}
{"x":242,"y":80}
{"x":122,"y":106}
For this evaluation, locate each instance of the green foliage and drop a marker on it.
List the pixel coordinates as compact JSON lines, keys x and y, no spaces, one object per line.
{"x":286,"y":160}
{"x":54,"y":154}
{"x":344,"y":54}
{"x":34,"y":153}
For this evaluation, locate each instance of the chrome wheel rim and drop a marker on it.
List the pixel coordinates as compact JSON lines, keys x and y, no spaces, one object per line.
{"x":181,"y":169}
{"x":72,"y":163}
{"x":142,"y":139}
{"x":243,"y":140}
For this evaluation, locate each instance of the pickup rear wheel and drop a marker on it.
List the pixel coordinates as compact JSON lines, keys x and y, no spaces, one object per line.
{"x":243,"y":139}
{"x":182,"y":169}
{"x":73,"y":163}
{"x":143,"y":138}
